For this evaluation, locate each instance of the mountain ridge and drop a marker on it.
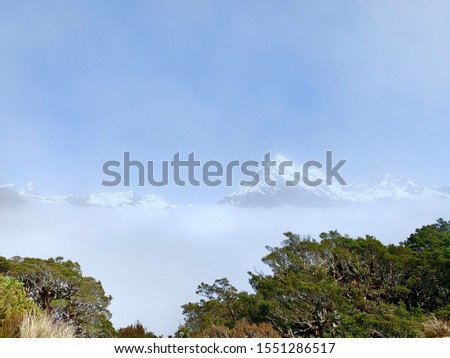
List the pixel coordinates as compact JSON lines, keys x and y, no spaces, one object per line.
{"x":385,"y":189}
{"x":99,"y":200}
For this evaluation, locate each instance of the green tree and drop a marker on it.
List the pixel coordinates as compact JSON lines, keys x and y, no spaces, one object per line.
{"x":299,"y":297}
{"x":59,"y":288}
{"x":221,"y":305}
{"x":339,"y":287}
{"x":336,"y":287}
{"x":429,"y":282}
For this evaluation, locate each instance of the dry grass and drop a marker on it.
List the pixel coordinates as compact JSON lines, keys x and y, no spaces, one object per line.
{"x":435,"y":328}
{"x":43,"y":326}
{"x":10,"y":327}
{"x":243,"y":329}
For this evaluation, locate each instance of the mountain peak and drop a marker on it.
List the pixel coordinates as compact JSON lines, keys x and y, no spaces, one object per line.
{"x":30,"y":187}
{"x":280,"y":158}
{"x":386,"y":188}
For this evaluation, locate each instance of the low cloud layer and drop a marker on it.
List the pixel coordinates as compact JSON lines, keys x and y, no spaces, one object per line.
{"x":152,"y":260}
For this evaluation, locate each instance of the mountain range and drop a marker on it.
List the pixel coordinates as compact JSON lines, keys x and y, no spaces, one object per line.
{"x":10,"y":195}
{"x":387,"y":189}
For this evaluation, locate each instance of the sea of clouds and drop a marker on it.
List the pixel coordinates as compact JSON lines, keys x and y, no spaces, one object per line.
{"x":151,"y":260}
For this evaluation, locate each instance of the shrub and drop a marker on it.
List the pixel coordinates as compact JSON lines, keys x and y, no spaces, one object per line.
{"x":243,"y":329}
{"x":14,"y":304}
{"x":58,"y":287}
{"x":136,"y":330}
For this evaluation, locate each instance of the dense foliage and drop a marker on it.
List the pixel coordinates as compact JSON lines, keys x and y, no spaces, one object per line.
{"x":333,"y":287}
{"x":337,"y":287}
{"x":136,"y":330}
{"x":60,"y":290}
{"x":14,"y":305}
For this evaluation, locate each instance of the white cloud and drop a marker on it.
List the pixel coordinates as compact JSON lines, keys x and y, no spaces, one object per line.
{"x":151,"y":261}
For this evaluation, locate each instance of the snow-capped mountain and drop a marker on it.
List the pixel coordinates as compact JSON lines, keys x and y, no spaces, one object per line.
{"x":383,"y":189}
{"x":391,"y":188}
{"x":263,"y":194}
{"x":10,"y":195}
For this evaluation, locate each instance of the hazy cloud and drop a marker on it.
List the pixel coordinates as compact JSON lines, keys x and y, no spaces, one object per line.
{"x":151,"y":261}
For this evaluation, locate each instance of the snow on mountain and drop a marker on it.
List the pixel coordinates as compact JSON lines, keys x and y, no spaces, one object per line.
{"x":390,"y":188}
{"x":262,"y":194}
{"x":10,"y":194}
{"x":383,"y":189}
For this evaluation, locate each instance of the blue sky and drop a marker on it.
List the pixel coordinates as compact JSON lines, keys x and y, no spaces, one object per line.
{"x":81,"y":82}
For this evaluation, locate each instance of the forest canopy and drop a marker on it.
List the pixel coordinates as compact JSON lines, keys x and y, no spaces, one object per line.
{"x":335,"y":286}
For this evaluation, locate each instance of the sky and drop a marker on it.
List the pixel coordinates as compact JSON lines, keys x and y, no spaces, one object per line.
{"x":81,"y":82}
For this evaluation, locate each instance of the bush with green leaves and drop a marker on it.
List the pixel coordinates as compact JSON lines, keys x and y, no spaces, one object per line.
{"x":14,"y":305}
{"x":338,"y":287}
{"x":58,"y":288}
